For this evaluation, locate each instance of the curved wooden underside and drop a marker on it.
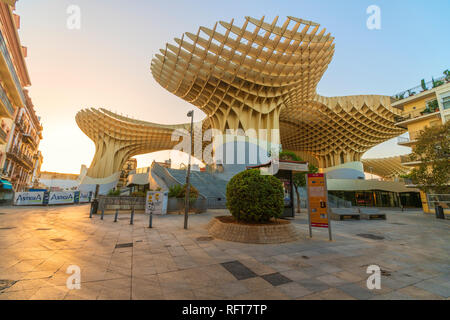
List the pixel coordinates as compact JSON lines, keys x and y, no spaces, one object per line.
{"x":118,"y":138}
{"x":387,"y":168}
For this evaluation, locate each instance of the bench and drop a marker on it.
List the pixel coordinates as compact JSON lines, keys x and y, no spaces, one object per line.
{"x":344,"y":213}
{"x":371,"y":214}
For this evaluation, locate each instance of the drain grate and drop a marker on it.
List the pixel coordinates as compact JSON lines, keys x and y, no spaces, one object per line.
{"x":58,"y":239}
{"x":370,"y":236}
{"x":276,"y":279}
{"x":204,"y":239}
{"x":238,"y":270}
{"x":43,"y":229}
{"x":124,"y":245}
{"x":5,"y":284}
{"x":385,"y":273}
{"x":7,"y":228}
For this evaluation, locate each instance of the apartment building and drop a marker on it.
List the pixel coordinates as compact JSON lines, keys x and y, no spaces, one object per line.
{"x":20,"y":128}
{"x":424,"y":106}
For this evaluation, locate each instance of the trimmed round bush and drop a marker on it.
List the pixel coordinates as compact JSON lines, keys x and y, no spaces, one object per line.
{"x":252,"y":197}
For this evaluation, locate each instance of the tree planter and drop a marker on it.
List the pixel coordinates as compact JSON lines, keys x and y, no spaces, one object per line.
{"x":226,"y":228}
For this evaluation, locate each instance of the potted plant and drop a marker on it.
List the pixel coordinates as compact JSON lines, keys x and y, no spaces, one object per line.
{"x":447,"y":75}
{"x":423,"y":85}
{"x":433,"y":106}
{"x":437,"y":83}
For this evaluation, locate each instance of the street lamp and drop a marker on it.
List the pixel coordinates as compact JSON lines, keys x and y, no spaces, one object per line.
{"x":188,"y":186}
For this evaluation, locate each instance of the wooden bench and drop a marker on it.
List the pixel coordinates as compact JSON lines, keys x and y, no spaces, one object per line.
{"x":344,"y":213}
{"x":372,"y":214}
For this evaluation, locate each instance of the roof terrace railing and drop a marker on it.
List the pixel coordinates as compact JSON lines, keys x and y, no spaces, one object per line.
{"x":418,"y":89}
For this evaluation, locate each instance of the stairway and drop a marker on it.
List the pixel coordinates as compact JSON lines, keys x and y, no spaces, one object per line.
{"x":207,"y":184}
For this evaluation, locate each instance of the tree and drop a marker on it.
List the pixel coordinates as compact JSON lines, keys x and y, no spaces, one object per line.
{"x":432,"y":150}
{"x":298,"y":179}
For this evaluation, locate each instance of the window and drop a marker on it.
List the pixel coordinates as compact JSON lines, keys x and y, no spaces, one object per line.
{"x":446,"y":102}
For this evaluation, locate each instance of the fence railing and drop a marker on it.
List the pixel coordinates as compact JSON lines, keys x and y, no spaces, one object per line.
{"x":413,"y":136}
{"x":418,"y":89}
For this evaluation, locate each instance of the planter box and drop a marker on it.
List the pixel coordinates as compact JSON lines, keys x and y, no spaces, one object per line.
{"x":221,"y":228}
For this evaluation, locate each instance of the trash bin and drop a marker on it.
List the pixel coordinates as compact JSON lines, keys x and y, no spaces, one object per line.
{"x":94,"y":206}
{"x":439,"y":212}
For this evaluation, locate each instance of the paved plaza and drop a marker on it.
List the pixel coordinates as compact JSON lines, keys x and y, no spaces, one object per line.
{"x":123,"y":261}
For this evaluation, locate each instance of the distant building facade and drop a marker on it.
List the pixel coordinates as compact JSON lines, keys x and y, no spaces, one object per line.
{"x":56,"y":181}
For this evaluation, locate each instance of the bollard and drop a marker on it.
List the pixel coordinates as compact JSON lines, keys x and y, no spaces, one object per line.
{"x":115,"y":216}
{"x":150,"y":220}
{"x":103,"y":213}
{"x":90,"y":213}
{"x":132,"y":216}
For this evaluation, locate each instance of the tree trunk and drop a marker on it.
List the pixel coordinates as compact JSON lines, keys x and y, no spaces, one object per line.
{"x":298,"y":199}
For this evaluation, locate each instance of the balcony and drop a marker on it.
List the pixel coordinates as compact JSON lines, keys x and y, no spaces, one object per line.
{"x":3,"y":136}
{"x":413,"y":115}
{"x":408,"y":141}
{"x":28,"y":139}
{"x":408,"y":160}
{"x":16,"y":155}
{"x":6,"y":103}
{"x":12,"y":72}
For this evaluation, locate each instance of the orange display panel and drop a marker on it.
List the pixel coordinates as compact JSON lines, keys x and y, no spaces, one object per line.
{"x":317,"y":200}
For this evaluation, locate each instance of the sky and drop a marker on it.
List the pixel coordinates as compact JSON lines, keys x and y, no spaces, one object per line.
{"x":106,"y":63}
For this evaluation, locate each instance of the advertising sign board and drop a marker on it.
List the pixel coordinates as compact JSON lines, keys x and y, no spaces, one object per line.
{"x":61,"y":197}
{"x":318,"y":202}
{"x":156,"y":202}
{"x":84,"y":197}
{"x":28,"y":198}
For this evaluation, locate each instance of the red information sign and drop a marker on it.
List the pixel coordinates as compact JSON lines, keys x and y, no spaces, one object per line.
{"x":318,"y":202}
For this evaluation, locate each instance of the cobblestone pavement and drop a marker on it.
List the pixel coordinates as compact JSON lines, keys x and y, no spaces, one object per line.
{"x":123,"y":261}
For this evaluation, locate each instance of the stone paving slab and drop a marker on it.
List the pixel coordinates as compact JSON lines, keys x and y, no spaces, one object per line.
{"x":122,"y":261}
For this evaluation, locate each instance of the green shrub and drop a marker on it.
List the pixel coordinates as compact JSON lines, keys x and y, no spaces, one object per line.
{"x":252,"y":197}
{"x":174,"y":190}
{"x":193,"y":192}
{"x":138,"y":194}
{"x":114,"y":193}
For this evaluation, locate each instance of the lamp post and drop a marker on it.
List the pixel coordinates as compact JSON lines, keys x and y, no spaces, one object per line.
{"x":188,"y":186}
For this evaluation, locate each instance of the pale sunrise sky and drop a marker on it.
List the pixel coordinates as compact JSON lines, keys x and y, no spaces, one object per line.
{"x":107,"y":62}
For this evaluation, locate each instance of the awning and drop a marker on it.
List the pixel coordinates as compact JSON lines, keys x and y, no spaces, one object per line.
{"x":295,"y":166}
{"x":367,"y":185}
{"x":5,"y":184}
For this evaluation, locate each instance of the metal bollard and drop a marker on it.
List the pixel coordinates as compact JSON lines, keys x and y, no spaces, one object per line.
{"x":90,"y":213}
{"x":103,"y":213}
{"x":115,"y":216}
{"x":150,"y":220}
{"x":132,"y":216}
